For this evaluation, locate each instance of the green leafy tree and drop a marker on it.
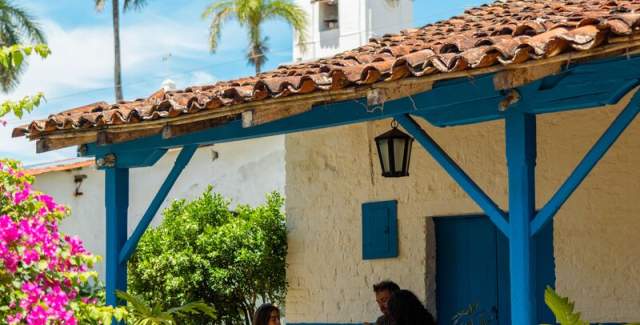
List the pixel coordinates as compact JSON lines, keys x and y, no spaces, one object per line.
{"x":17,"y":26}
{"x":115,"y":14}
{"x":232,"y":260}
{"x":252,"y":14}
{"x":142,"y":314}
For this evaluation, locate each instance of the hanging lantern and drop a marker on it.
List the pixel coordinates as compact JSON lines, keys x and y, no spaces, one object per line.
{"x":394,"y":150}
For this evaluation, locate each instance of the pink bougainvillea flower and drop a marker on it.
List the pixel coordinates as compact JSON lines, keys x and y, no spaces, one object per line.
{"x":9,"y":231}
{"x":29,"y":236}
{"x":76,"y":245}
{"x":20,"y":196}
{"x":48,"y":202}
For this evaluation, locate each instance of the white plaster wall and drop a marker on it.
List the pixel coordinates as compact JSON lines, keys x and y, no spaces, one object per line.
{"x":244,"y":172}
{"x":359,"y":20}
{"x":331,"y":172}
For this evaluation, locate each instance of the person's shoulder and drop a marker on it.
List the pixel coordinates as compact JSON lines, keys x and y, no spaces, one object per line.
{"x":382,"y":320}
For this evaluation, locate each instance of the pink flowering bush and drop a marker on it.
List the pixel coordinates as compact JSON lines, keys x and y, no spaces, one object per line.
{"x":44,"y":274}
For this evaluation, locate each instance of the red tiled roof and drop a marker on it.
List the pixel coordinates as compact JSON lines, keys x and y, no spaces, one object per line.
{"x":503,"y":33}
{"x":60,"y":166}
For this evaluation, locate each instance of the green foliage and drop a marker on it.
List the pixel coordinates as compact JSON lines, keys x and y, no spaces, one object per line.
{"x":141,"y":314}
{"x":18,"y":108}
{"x":204,"y":251}
{"x":563,"y":309}
{"x":11,"y":59}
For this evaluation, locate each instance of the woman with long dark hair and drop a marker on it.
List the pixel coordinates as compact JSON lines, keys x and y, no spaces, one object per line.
{"x":267,"y":314}
{"x":406,"y":309}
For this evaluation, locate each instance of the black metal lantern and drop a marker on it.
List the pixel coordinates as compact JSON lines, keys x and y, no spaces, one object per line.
{"x":394,"y":150}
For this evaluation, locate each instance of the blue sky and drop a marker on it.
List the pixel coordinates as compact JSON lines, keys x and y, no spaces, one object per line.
{"x":167,"y":39}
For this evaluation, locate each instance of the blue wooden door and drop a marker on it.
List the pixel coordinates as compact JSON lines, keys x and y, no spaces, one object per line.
{"x":472,"y":268}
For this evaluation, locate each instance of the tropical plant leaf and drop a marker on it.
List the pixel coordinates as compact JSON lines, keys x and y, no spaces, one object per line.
{"x":562,"y":308}
{"x":194,"y":308}
{"x":138,"y":304}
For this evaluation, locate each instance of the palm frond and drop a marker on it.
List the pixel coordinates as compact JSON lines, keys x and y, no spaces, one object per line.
{"x":221,"y":12}
{"x":134,"y":4}
{"x":21,"y":21}
{"x":293,"y":14}
{"x":99,"y":5}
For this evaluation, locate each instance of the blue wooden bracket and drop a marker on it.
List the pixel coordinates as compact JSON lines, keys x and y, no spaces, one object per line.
{"x":116,"y":203}
{"x":181,"y":161}
{"x":130,"y":159}
{"x":492,"y":210}
{"x":520,"y":129}
{"x":585,"y":166}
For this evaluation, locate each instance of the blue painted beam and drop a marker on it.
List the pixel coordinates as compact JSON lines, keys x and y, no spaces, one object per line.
{"x":140,"y":158}
{"x":521,"y":159}
{"x":117,"y":203}
{"x":181,"y":161}
{"x":585,"y":166}
{"x":492,"y":210}
{"x":451,"y":102}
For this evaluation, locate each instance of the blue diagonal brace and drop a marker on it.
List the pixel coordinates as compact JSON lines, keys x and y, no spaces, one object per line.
{"x":492,"y":210}
{"x":585,"y":166}
{"x":181,"y":161}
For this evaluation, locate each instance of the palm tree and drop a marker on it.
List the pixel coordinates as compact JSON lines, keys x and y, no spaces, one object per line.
{"x":117,"y":67}
{"x":17,"y":26}
{"x":251,"y":14}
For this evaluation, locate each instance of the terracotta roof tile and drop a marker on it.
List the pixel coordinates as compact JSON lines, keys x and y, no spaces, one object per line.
{"x":64,"y":165}
{"x":502,"y":33}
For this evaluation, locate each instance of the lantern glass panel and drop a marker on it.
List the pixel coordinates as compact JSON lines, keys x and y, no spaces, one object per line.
{"x":398,"y":154}
{"x":409,"y":143}
{"x":383,"y":150}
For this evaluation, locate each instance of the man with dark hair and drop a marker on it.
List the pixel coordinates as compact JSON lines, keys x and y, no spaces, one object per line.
{"x":383,"y":291}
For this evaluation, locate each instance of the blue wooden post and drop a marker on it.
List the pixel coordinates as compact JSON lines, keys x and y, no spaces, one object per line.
{"x":117,"y":203}
{"x":521,"y":159}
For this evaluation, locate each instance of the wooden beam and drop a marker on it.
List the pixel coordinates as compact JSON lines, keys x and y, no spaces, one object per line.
{"x":174,"y":130}
{"x":44,"y":145}
{"x":513,"y":78}
{"x":107,"y":137}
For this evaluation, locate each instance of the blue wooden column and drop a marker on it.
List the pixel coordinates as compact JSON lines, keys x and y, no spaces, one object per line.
{"x":117,"y":203}
{"x":521,"y":160}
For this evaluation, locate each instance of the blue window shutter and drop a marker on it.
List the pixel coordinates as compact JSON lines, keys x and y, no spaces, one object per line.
{"x":379,"y":230}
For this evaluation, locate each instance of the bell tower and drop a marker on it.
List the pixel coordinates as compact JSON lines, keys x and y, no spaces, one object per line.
{"x":340,"y":25}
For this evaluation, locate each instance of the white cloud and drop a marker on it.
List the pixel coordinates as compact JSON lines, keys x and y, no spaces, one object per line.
{"x":82,"y":60}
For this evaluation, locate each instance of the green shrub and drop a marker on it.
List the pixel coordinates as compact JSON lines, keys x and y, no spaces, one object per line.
{"x":203,"y":251}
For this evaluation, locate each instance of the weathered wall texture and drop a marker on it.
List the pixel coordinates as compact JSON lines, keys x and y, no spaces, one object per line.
{"x":330,"y":173}
{"x":244,"y":172}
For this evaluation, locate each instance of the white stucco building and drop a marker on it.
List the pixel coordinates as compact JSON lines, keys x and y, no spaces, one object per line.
{"x":242,"y":171}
